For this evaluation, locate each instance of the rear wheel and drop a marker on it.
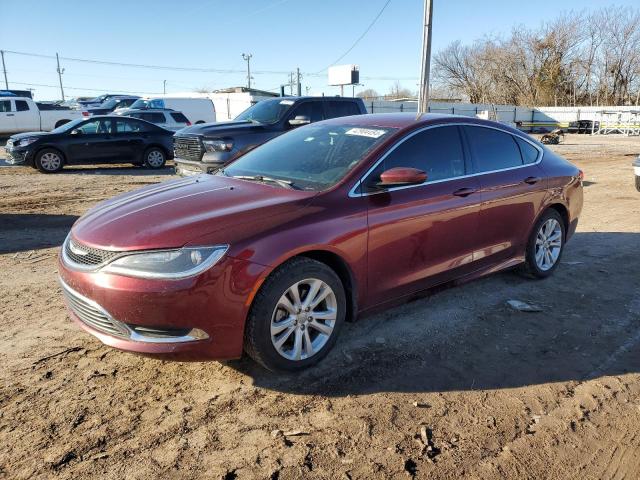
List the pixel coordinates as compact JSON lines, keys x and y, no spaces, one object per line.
{"x":295,"y":318}
{"x":638,"y":183}
{"x":545,"y":245}
{"x":154,"y":158}
{"x":49,"y":160}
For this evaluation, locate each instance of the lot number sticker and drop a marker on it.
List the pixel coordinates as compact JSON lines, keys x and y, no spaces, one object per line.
{"x":365,"y":132}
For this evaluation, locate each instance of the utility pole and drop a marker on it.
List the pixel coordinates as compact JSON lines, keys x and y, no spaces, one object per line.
{"x":423,"y":95}
{"x":247,"y":58}
{"x":291,"y":83}
{"x":4,"y":70}
{"x":299,"y":76}
{"x":60,"y":72}
{"x":164,"y":86}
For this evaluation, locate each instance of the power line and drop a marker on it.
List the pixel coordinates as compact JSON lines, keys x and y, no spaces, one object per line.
{"x":359,"y":38}
{"x":82,"y":88}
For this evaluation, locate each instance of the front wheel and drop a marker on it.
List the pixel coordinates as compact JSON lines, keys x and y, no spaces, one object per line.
{"x":155,"y":158}
{"x":296,"y":316}
{"x":48,"y":160}
{"x":545,"y":245}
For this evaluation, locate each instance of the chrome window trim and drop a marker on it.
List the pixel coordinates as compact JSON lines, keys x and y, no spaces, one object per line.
{"x":128,"y":333}
{"x":352,"y":191}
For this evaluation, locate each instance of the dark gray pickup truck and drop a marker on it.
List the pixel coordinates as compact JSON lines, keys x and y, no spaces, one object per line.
{"x":207,"y":147}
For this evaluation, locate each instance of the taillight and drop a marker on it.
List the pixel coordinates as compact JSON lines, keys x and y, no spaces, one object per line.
{"x":188,"y":123}
{"x":85,"y":113}
{"x":581,"y":175}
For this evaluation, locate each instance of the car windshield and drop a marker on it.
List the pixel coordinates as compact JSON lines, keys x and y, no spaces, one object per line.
{"x":144,"y":104}
{"x":266,"y":111}
{"x":68,"y":126}
{"x":314,"y":157}
{"x":110,"y":103}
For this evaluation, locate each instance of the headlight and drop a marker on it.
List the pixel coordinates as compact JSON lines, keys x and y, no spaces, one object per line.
{"x":167,"y":264}
{"x":24,"y":141}
{"x":222,"y":145}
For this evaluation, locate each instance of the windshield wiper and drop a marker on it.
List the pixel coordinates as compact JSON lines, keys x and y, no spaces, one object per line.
{"x":263,"y":179}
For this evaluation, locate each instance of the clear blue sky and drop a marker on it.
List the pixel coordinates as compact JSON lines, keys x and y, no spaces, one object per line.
{"x":281,"y":35}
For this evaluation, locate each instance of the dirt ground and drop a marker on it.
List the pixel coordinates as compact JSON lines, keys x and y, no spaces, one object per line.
{"x":496,"y":393}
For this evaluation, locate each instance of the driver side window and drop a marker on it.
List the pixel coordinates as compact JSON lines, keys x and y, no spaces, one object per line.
{"x":312,"y":110}
{"x":437,"y":151}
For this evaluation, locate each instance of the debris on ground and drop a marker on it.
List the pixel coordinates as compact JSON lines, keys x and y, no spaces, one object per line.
{"x":523,"y":306}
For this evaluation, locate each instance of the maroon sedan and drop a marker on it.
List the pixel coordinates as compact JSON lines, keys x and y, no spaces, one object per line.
{"x":272,"y":254}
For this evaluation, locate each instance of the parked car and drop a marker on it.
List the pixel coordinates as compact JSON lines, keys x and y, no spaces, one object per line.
{"x":207,"y":148}
{"x":274,"y":252}
{"x":112,"y":104}
{"x":97,"y":101}
{"x":583,"y":126}
{"x":101,"y":139}
{"x":636,"y":171}
{"x":165,"y":118}
{"x":197,"y":109}
{"x":21,"y":114}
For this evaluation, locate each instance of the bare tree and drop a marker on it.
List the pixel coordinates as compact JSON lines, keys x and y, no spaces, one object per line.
{"x":567,"y":61}
{"x":397,"y":91}
{"x":368,"y":93}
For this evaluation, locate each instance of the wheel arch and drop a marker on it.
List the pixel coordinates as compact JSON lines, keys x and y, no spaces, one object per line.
{"x":342,"y":269}
{"x":563,"y":211}
{"x":59,"y":123}
{"x":50,"y":147}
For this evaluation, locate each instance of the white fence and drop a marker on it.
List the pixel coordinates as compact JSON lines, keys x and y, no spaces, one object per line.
{"x":613,"y":119}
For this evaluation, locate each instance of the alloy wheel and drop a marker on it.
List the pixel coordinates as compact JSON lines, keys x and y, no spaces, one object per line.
{"x":50,"y":161}
{"x":548,"y":244}
{"x":303,"y":319}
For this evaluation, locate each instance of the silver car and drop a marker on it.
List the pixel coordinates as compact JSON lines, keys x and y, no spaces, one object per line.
{"x":163,"y":117}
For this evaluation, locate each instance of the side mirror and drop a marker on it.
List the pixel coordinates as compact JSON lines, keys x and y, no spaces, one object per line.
{"x":76,"y":131}
{"x":299,"y":120}
{"x":401,"y":176}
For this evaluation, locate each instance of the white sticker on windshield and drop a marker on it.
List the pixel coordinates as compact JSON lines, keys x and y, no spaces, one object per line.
{"x":365,"y":132}
{"x":286,"y":102}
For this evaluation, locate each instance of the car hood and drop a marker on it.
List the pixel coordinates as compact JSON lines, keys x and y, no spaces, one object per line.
{"x":206,"y":209}
{"x":20,"y":136}
{"x":222,"y":128}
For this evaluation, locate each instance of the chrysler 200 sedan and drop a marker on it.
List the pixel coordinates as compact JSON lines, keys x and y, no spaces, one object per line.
{"x":272,"y":254}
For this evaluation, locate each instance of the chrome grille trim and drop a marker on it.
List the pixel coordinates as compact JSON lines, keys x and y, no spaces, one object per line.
{"x":84,"y":258}
{"x":188,"y":148}
{"x":92,"y":314}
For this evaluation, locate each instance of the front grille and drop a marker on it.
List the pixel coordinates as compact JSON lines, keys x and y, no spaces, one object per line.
{"x":83,"y":255}
{"x":188,"y":148}
{"x":91,"y":314}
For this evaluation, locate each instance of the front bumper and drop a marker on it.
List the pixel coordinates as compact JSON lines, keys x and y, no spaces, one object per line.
{"x":17,"y":156}
{"x":199,"y":318}
{"x":192,"y":167}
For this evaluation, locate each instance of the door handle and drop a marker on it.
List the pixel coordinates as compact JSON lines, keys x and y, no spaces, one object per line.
{"x":10,"y":115}
{"x":464,"y":192}
{"x":531,"y":180}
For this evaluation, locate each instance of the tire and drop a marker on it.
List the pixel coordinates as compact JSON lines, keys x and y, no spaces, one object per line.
{"x":280,"y":336}
{"x":49,"y":160}
{"x":154,"y":157}
{"x":199,"y":122}
{"x":59,"y":123}
{"x":638,"y":183}
{"x":550,"y":231}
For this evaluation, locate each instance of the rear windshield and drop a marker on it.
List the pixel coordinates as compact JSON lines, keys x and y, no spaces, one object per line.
{"x":145,"y":104}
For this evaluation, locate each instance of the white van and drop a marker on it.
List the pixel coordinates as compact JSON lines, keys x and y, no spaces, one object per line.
{"x":196,"y":109}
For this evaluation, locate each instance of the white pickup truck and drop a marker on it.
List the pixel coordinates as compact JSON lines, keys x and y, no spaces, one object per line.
{"x":21,"y":114}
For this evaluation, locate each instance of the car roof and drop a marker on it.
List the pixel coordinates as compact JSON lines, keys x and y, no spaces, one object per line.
{"x":408,"y":121}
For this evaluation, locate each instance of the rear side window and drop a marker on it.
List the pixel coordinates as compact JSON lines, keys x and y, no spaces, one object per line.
{"x":153,"y":117}
{"x":528,"y":151}
{"x":22,"y":106}
{"x":5,"y":106}
{"x":340,"y":109}
{"x":493,"y":149}
{"x":179,"y":117}
{"x":437,"y":151}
